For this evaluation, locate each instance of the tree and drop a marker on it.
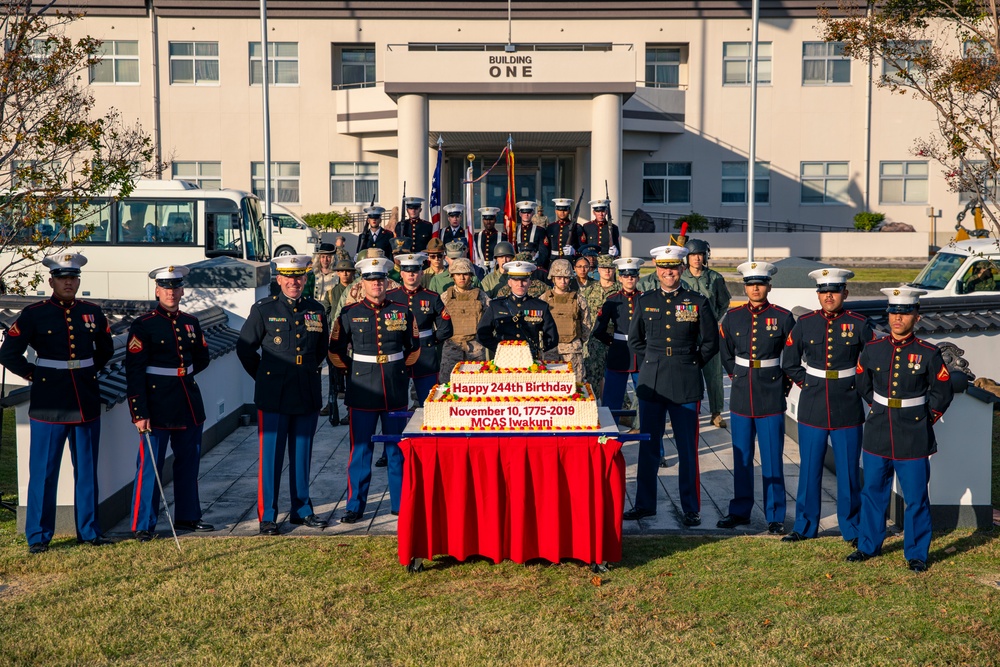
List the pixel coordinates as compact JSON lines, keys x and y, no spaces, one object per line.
{"x":54,"y":157}
{"x":942,"y":52}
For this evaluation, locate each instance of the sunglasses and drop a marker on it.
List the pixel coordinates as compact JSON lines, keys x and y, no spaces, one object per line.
{"x":435,"y":255}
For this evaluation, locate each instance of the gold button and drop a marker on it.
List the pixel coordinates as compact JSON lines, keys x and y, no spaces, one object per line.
{"x":895,"y":375}
{"x":896,"y":366}
{"x":71,"y":327}
{"x":71,"y":345}
{"x":71,"y":336}
{"x":753,"y":347}
{"x":894,"y":384}
{"x":668,"y":340}
{"x":298,"y":335}
{"x":72,"y":356}
{"x":297,"y":323}
{"x":298,"y":349}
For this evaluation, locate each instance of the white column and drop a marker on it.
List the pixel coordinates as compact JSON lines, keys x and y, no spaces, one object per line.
{"x":412,"y":151}
{"x":606,"y":151}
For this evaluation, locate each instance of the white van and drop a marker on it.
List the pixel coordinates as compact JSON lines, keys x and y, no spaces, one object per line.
{"x":962,"y":268}
{"x":291,"y":235}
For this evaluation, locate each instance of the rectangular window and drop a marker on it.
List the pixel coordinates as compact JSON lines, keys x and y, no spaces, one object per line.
{"x":903,"y":182}
{"x":905,"y":62}
{"x":825,"y":182}
{"x":119,"y":63}
{"x":354,"y":65}
{"x":284,"y":181}
{"x":666,"y":183}
{"x":734,"y":183}
{"x":824,"y":64}
{"x":194,"y":63}
{"x":206,"y":175}
{"x":976,"y":172}
{"x":736,"y":63}
{"x":353,"y":182}
{"x":35,"y":173}
{"x":282,"y":63}
{"x":663,"y":66}
{"x":162,"y":222}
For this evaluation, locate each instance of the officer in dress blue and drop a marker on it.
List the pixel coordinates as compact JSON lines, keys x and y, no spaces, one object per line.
{"x":528,"y":232}
{"x":486,"y":240}
{"x":752,"y":338}
{"x":908,"y":387}
{"x":454,"y":230}
{"x":375,"y":236}
{"x":613,"y":322}
{"x":413,"y":227}
{"x":375,"y":341}
{"x":432,"y":320}
{"x":600,"y":231}
{"x":73,"y":343}
{"x":518,"y":316}
{"x":675,"y":333}
{"x":166,"y":348}
{"x":291,"y":333}
{"x":820,"y":357}
{"x":565,"y":235}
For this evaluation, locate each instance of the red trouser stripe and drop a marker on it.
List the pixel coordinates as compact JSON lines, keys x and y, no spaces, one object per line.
{"x":260,"y":465}
{"x":138,"y":484}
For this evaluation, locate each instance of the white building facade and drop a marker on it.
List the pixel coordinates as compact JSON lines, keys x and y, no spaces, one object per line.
{"x":650,"y":98}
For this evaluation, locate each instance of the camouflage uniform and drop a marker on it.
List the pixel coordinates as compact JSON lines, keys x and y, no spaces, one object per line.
{"x":572,"y":316}
{"x":466,"y":308}
{"x":597,"y":352}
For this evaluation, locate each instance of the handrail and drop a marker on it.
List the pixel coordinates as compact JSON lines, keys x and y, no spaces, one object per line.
{"x":665,"y":223}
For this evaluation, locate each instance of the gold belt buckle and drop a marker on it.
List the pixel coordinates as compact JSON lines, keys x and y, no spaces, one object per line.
{"x":73,"y":364}
{"x":833,"y":375}
{"x":895,"y":402}
{"x":755,"y":363}
{"x":382,"y":358}
{"x":298,"y":360}
{"x":669,"y":351}
{"x":181,"y":372}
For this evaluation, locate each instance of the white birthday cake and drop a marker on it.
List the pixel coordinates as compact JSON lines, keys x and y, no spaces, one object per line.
{"x":511,"y":393}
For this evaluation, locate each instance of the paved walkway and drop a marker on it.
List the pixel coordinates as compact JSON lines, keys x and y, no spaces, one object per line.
{"x":228,"y":487}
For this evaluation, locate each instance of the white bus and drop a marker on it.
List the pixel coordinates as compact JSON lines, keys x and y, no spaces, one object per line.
{"x":291,"y":235}
{"x":161,"y":222}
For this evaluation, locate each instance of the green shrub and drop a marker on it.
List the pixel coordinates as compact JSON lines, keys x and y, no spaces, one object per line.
{"x":696,"y":222}
{"x":868,"y":220}
{"x":325,"y":221}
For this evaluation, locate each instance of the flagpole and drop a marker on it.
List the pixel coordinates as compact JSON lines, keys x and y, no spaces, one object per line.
{"x":752,"y":157}
{"x":468,"y":202}
{"x":267,"y":128}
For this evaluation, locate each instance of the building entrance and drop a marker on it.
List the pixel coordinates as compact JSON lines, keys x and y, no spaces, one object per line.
{"x":536,"y":178}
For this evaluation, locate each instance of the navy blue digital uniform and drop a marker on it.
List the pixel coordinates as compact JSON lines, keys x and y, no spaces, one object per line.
{"x":73,"y":343}
{"x":435,"y":327}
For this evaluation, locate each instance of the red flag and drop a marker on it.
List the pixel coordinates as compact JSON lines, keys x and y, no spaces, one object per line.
{"x":510,"y":206}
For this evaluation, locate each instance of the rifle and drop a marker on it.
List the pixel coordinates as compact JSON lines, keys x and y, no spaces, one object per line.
{"x":402,"y":212}
{"x":607,"y":198}
{"x":576,"y":213}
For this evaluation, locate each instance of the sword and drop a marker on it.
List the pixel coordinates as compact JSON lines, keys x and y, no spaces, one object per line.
{"x":159,"y":483}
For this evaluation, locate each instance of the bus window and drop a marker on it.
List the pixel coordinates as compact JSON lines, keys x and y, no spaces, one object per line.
{"x":253,"y":218}
{"x":165,"y":222}
{"x":78,"y":225}
{"x":222,"y":229}
{"x":95,"y":218}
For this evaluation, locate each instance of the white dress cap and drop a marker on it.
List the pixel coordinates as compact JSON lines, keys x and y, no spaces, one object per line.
{"x":756,"y":272}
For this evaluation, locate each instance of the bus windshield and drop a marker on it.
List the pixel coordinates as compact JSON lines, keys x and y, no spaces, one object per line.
{"x":939,"y":271}
{"x":253,"y":221}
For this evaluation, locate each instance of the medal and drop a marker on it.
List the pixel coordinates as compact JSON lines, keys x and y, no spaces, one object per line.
{"x":916,"y":367}
{"x":277,"y":340}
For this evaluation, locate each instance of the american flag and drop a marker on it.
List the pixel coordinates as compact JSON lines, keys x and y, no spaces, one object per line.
{"x":435,"y":201}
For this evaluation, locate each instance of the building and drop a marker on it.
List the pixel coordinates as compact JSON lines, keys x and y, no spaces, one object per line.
{"x":651,"y":98}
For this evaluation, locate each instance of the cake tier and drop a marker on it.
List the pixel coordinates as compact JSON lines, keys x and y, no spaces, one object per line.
{"x":469,"y":380}
{"x":443,"y":411}
{"x":513,"y":354}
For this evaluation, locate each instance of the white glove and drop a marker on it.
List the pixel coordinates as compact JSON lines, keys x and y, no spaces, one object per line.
{"x":568,"y":250}
{"x":613,"y":251}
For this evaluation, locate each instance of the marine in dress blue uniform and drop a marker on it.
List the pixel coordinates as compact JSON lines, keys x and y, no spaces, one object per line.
{"x":454,"y":230}
{"x":375,"y":236}
{"x":611,"y":328}
{"x":820,"y":357}
{"x":486,"y":240}
{"x":600,"y":231}
{"x":432,"y":321}
{"x":675,"y":333}
{"x":415,"y":228}
{"x":908,"y":388}
{"x":375,"y":341}
{"x":564,"y":233}
{"x":282,"y":346}
{"x":518,"y":316}
{"x":528,"y":232}
{"x":166,"y":348}
{"x":752,"y":337}
{"x":73,"y":343}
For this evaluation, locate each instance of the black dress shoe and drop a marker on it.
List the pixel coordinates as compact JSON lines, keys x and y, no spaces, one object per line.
{"x":664,"y":463}
{"x":776,"y":528}
{"x":917,"y":565}
{"x":268,"y":528}
{"x":39,"y":548}
{"x":312,"y":521}
{"x":350,"y":517}
{"x":199,"y":526}
{"x":635,"y":514}
{"x":382,"y":461}
{"x":731,"y":521}
{"x":96,"y":542}
{"x":345,"y":420}
{"x":691,"y":519}
{"x":394,"y":513}
{"x":145,"y":535}
{"x":853,"y":543}
{"x":794,"y":536}
{"x":858,"y":556}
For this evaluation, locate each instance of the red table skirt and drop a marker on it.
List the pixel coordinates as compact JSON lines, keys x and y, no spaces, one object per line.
{"x":512,"y":497}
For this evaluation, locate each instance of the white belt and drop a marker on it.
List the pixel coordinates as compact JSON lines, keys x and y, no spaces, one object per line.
{"x":173,"y":372}
{"x":831,"y":374}
{"x":72,"y":364}
{"x":426,"y":332}
{"x":377,"y":358}
{"x":621,"y":336}
{"x":899,"y":402}
{"x":757,"y":363}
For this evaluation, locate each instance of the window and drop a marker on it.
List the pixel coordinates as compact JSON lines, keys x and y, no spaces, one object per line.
{"x":206,"y":175}
{"x":353,"y":182}
{"x":354,"y":65}
{"x":282,"y":63}
{"x":39,"y":50}
{"x":35,"y":173}
{"x":975,"y":172}
{"x":824,"y":64}
{"x":194,"y":63}
{"x":160,"y":222}
{"x":905,"y":53}
{"x":903,"y":182}
{"x":119,"y":63}
{"x":284,"y":181}
{"x":825,"y":182}
{"x":663,"y":66}
{"x":734,"y":183}
{"x":666,"y":183}
{"x":736,"y":63}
